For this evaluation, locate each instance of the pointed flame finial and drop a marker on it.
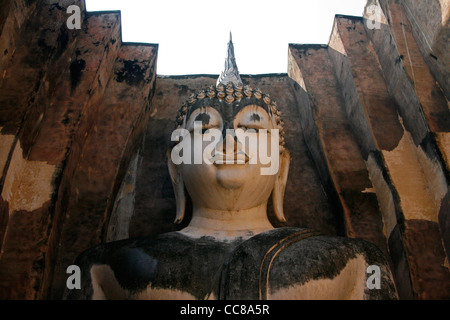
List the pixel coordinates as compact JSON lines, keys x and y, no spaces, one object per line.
{"x":230,"y":72}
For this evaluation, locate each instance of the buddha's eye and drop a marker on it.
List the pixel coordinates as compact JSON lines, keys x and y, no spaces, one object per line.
{"x":252,"y":119}
{"x":203,"y":120}
{"x":200,"y":129}
{"x":252,"y":129}
{"x":207,"y":129}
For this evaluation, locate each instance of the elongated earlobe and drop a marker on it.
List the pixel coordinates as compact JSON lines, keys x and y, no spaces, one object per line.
{"x":178,"y":188}
{"x":280,"y":185}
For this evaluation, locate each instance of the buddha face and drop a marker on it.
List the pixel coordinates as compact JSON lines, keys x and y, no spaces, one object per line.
{"x":231,"y":157}
{"x":232,"y":179}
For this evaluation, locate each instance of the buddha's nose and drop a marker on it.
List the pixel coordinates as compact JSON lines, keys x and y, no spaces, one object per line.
{"x":229,"y":144}
{"x":228,"y":138}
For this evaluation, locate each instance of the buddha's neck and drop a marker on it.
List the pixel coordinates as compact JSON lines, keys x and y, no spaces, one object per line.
{"x":228,"y":225}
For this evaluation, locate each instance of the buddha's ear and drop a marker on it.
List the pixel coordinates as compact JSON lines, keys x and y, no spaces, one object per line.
{"x":280,"y":185}
{"x":178,"y":187}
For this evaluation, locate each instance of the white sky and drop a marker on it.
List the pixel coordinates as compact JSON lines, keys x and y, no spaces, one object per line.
{"x":193,"y":34}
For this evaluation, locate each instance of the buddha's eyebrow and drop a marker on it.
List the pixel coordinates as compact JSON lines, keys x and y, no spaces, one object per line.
{"x":203,"y":117}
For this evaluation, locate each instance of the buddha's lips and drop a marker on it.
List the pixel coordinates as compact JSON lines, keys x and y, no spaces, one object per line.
{"x":235,"y":158}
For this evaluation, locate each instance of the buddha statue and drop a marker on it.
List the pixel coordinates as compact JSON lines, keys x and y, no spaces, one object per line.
{"x":230,"y":250}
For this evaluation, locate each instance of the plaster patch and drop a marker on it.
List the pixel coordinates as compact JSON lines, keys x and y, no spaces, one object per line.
{"x":104,"y":280}
{"x":443,"y":141}
{"x":28,"y":184}
{"x":350,"y":284}
{"x":384,"y":196}
{"x":295,"y":72}
{"x":434,"y":174}
{"x":375,"y":13}
{"x":6,"y":143}
{"x":409,"y":180}
{"x":419,"y":181}
{"x":445,"y":7}
{"x":336,"y":41}
{"x":119,"y":224}
{"x":369,"y":190}
{"x":446,"y":264}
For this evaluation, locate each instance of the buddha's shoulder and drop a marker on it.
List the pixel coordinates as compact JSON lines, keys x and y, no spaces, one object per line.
{"x":141,"y":251}
{"x":306,"y":244}
{"x":286,"y":256}
{"x":170,"y":260}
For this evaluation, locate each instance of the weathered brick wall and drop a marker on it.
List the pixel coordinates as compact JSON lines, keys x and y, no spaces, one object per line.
{"x":85,"y":124}
{"x":429,"y":22}
{"x":382,"y":90}
{"x":73,"y":109}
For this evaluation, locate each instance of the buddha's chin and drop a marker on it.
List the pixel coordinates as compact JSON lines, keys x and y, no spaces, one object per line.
{"x":231,"y":176}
